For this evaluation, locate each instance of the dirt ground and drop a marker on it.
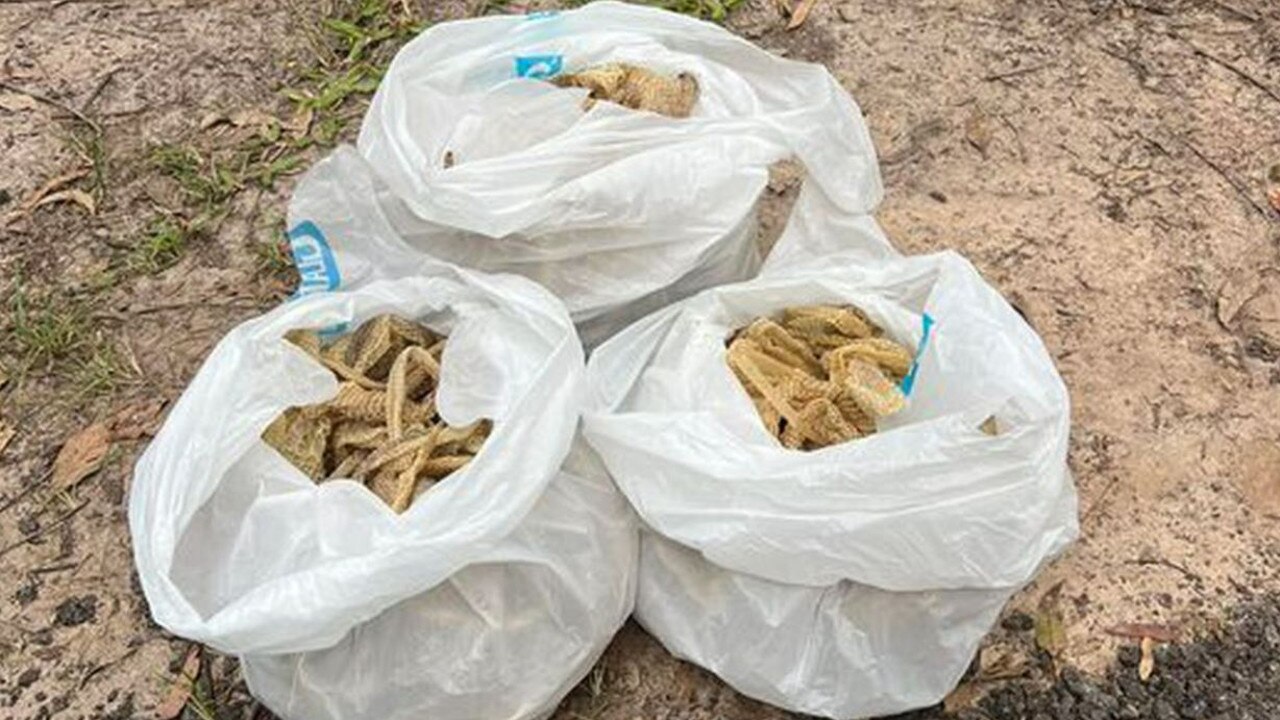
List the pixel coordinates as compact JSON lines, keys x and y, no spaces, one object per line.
{"x":1105,"y":164}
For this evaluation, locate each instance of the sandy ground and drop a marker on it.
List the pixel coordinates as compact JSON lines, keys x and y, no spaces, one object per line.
{"x":1105,"y":164}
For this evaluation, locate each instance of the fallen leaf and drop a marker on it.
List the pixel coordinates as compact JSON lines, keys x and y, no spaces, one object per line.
{"x":962,"y":698}
{"x":977,"y":131}
{"x":135,"y":421}
{"x":251,"y":116}
{"x":1051,"y":629}
{"x":6,"y":435}
{"x":801,"y":13}
{"x":180,"y":691}
{"x":1235,"y":293}
{"x":300,"y":124}
{"x":81,"y":456}
{"x":1162,"y":633}
{"x":79,"y":197}
{"x":53,"y":184}
{"x":212,"y":119}
{"x":1001,"y":662}
{"x":1273,"y":197}
{"x":15,"y":102}
{"x":1147,"y":664}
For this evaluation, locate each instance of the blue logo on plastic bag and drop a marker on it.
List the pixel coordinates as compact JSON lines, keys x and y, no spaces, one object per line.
{"x":539,"y":66}
{"x":541,"y":14}
{"x":909,"y":381}
{"x":314,"y":260}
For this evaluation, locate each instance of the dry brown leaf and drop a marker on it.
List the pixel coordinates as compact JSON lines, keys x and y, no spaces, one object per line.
{"x":1051,"y":629}
{"x":977,"y":131}
{"x":53,"y":184}
{"x":16,"y":102}
{"x":180,"y":691}
{"x":1235,"y":293}
{"x":1273,"y":197}
{"x":212,"y":119}
{"x":801,"y":13}
{"x":135,"y":421}
{"x":300,"y":124}
{"x":81,"y":456}
{"x":1001,"y":662}
{"x":79,"y":197}
{"x":1147,"y":664}
{"x":962,"y":698}
{"x":251,"y":117}
{"x":6,"y":435}
{"x":1161,"y":633}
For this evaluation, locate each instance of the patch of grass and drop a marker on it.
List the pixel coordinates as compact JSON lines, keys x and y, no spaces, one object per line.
{"x":55,"y":336}
{"x":716,"y":10}
{"x":101,"y":371}
{"x":89,"y":145}
{"x":273,"y":258}
{"x":353,"y":46}
{"x":160,"y":248}
{"x":45,"y":332}
{"x":203,"y":181}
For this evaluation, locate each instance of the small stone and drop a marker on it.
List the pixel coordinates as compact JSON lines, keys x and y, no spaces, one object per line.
{"x":938,"y":196}
{"x":77,"y":611}
{"x":28,"y":677}
{"x":1195,"y":709}
{"x":1018,"y":621}
{"x":26,"y":594}
{"x":1128,"y":656}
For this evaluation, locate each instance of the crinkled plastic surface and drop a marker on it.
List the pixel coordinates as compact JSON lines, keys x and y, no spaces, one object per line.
{"x":617,"y":212}
{"x":856,"y":579}
{"x":506,"y":637}
{"x":236,"y":548}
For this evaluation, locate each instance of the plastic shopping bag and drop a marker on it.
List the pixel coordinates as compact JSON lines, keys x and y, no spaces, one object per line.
{"x":858,"y":579}
{"x":236,"y":548}
{"x":476,"y":159}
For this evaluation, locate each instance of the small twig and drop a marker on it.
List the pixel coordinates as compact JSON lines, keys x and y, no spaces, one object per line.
{"x":102,"y":84}
{"x":1098,"y":503}
{"x":55,"y":103}
{"x":1234,"y":11}
{"x":226,"y":302}
{"x":1015,"y":73}
{"x":1169,"y":564}
{"x":44,"y":530}
{"x":1243,"y":192}
{"x":1234,"y":70}
{"x":26,"y":491}
{"x":103,"y":666}
{"x":55,"y":568}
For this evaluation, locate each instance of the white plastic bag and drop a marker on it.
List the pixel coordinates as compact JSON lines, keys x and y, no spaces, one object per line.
{"x":508,"y":636}
{"x":617,"y":212}
{"x":237,"y":549}
{"x":858,"y":579}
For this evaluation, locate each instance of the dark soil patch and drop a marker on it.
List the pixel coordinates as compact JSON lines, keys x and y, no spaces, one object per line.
{"x":77,"y":610}
{"x":1232,"y":675}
